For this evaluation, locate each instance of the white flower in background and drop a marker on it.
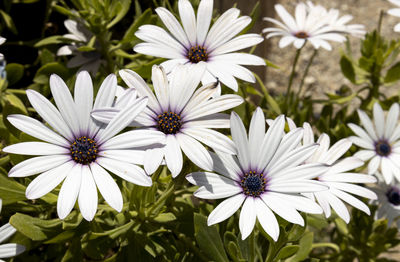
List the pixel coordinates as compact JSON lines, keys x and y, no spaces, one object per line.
{"x":311,"y":23}
{"x":182,"y":115}
{"x":80,"y":36}
{"x":380,"y":141}
{"x":338,"y":178}
{"x":80,"y":150}
{"x":395,"y":12}
{"x":339,"y":23}
{"x":10,"y":249}
{"x":194,"y":42}
{"x":266,"y":175}
{"x":388,"y":201}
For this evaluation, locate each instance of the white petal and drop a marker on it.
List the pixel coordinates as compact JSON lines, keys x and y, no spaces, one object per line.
{"x":210,"y":180}
{"x":47,"y":181}
{"x":286,"y":17}
{"x":37,"y":164}
{"x":160,"y":84}
{"x":153,"y":159}
{"x":218,"y":120}
{"x":299,"y":202}
{"x":247,"y":218}
{"x":188,"y":20}
{"x":36,"y":148}
{"x":126,"y":171}
{"x":158,"y":50}
{"x":353,"y":189}
{"x":374,"y":164}
{"x":224,"y":76}
{"x":173,"y":25}
{"x":107,"y":187}
{"x":49,"y":113}
{"x":366,"y":122}
{"x":11,"y":250}
{"x":364,"y":155}
{"x":336,"y":151}
{"x":36,"y":129}
{"x":223,"y":23}
{"x":88,"y":194}
{"x":240,"y":59}
{"x":238,"y":43}
{"x":239,"y":137}
{"x":132,"y":156}
{"x":336,"y":204}
{"x":83,"y":95}
{"x":134,"y":138}
{"x":204,"y":14}
{"x":173,"y":155}
{"x":195,"y":151}
{"x":347,"y":164}
{"x":348,"y":177}
{"x":121,"y":120}
{"x":386,"y":168}
{"x":65,"y":103}
{"x":69,"y":192}
{"x":379,"y":120}
{"x":217,"y":191}
{"x":287,"y":212}
{"x":226,"y":165}
{"x":391,"y":120}
{"x":157,"y":35}
{"x":225,"y":209}
{"x":361,"y":142}
{"x":351,"y":200}
{"x":133,"y":80}
{"x":267,"y":219}
{"x":212,"y":138}
{"x":395,"y":134}
{"x":300,"y":186}
{"x":305,"y":171}
{"x":6,"y":231}
{"x":286,"y":40}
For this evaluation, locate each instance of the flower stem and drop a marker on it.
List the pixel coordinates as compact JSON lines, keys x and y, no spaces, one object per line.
{"x":296,"y":59}
{"x":306,"y":72}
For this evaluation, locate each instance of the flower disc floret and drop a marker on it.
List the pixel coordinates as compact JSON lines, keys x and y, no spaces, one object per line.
{"x":383,"y":148}
{"x":84,"y":150}
{"x":169,"y":122}
{"x":197,"y":53}
{"x":301,"y":34}
{"x":253,"y":184}
{"x":393,"y":195}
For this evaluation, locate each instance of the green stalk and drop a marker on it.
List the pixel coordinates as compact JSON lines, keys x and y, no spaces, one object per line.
{"x":289,"y":87}
{"x":306,"y":72}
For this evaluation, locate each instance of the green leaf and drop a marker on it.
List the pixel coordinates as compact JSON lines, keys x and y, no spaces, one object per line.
{"x":209,"y":239}
{"x":305,"y":247}
{"x":8,"y":21}
{"x":114,"y":233}
{"x":43,"y":74}
{"x":287,"y":252}
{"x":35,"y":228}
{"x":165,"y":218}
{"x":15,"y":102}
{"x":86,"y":49}
{"x":130,"y":33}
{"x":341,"y":226}
{"x":14,"y":73}
{"x":10,"y":190}
{"x":51,"y":40}
{"x":347,"y":68}
{"x":393,"y":74}
{"x":122,"y":7}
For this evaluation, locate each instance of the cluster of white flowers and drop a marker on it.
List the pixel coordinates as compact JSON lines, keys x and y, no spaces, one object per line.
{"x":264,"y":171}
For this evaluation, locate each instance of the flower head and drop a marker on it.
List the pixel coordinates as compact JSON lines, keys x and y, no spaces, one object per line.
{"x":182,"y":115}
{"x":265,"y":175}
{"x":340,"y":181}
{"x":79,"y":150}
{"x":195,"y":43}
{"x":80,"y":36}
{"x":380,"y":141}
{"x":311,"y":23}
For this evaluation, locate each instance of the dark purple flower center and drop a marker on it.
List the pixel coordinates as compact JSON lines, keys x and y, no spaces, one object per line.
{"x":393,"y":195}
{"x":253,"y":183}
{"x":84,"y":150}
{"x":301,"y":34}
{"x":383,"y":148}
{"x":197,"y":53}
{"x":169,"y":122}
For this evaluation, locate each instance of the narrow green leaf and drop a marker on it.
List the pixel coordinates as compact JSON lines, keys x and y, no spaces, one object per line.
{"x":287,"y":252}
{"x":10,"y":190}
{"x":347,"y":68}
{"x":209,"y":239}
{"x":8,"y":21}
{"x":14,"y":73}
{"x":393,"y":74}
{"x":35,"y":228}
{"x":51,"y":40}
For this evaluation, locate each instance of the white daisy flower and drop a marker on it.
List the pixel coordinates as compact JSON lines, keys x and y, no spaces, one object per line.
{"x":395,"y":12}
{"x":339,"y":23}
{"x":388,"y":201}
{"x":307,"y":25}
{"x":338,"y":178}
{"x":194,"y":42}
{"x":80,"y":150}
{"x":266,"y":175}
{"x":3,"y":73}
{"x":80,"y":35}
{"x":380,"y":141}
{"x":182,"y":115}
{"x":10,"y":249}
